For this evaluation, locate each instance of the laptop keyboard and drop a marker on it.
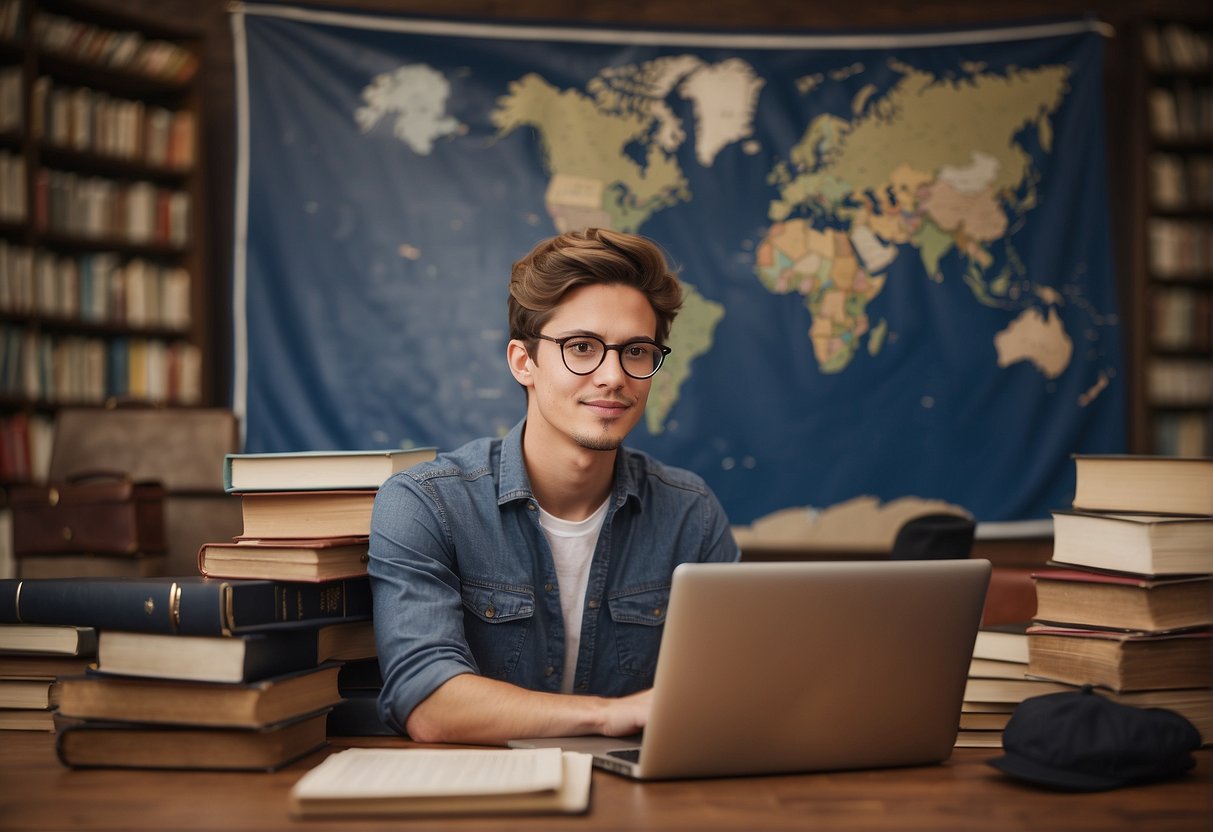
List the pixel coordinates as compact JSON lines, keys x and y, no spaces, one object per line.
{"x":631,"y":755}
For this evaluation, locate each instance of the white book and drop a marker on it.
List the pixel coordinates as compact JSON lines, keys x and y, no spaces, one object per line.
{"x":412,"y":781}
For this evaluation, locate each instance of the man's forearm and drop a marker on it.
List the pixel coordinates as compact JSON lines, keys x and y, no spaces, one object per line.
{"x":472,"y":709}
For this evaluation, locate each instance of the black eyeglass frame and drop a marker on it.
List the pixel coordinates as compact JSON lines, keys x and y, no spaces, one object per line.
{"x":664,"y":351}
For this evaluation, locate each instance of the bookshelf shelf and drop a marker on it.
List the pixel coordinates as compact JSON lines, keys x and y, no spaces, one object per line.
{"x":102,"y":206}
{"x":1171,"y":299}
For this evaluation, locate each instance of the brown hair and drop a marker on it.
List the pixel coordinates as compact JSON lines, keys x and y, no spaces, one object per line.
{"x":554,"y":267}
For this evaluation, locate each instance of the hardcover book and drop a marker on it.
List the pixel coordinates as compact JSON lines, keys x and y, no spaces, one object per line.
{"x":35,"y":666}
{"x":26,"y":719}
{"x":295,"y":514}
{"x":1127,"y":602}
{"x":233,"y":705}
{"x":47,"y":639}
{"x":28,"y":694}
{"x":89,"y":744}
{"x":1121,"y":661}
{"x":238,"y":658}
{"x":991,"y":669}
{"x":1168,"y":485}
{"x":1144,"y":544}
{"x":1002,"y":642}
{"x":317,"y":470}
{"x":307,"y":559}
{"x":1009,"y":690}
{"x":192,"y":605}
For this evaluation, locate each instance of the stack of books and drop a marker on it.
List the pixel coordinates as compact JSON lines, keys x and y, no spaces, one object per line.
{"x":32,"y":658}
{"x":199,"y":673}
{"x":998,"y":681}
{"x":306,"y":517}
{"x":1131,"y":611}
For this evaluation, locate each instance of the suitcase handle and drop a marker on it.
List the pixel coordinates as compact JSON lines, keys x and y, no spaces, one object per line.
{"x":80,"y":477}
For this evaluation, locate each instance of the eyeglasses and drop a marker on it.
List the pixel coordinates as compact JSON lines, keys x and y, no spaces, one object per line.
{"x":583,"y":354}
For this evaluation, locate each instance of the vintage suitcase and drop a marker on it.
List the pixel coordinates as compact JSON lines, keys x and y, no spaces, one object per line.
{"x":100,"y":513}
{"x":180,"y":447}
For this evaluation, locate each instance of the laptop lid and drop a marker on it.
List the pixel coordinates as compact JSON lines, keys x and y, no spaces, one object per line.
{"x":808,"y":666}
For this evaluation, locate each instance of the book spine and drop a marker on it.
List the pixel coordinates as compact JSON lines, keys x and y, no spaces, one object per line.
{"x":288,"y":652}
{"x":118,"y":604}
{"x":281,"y":604}
{"x":227,"y":474}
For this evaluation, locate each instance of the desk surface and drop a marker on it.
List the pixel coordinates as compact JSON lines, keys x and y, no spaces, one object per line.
{"x":37,"y":793}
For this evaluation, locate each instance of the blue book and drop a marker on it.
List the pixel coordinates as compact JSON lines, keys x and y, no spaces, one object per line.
{"x":191,"y":605}
{"x":317,"y":470}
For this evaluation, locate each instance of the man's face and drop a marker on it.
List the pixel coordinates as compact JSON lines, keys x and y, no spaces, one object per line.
{"x":595,"y":411}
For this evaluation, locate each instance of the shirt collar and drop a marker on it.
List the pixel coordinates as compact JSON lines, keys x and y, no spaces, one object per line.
{"x":515,"y":485}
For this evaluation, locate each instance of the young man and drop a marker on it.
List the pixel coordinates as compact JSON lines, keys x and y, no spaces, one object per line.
{"x":521,"y":583}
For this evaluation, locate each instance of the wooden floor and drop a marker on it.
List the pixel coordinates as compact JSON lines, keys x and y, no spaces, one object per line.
{"x":37,"y":793}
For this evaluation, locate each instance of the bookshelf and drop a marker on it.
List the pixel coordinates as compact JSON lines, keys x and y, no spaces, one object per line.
{"x":102,"y":247}
{"x":1171,"y":303}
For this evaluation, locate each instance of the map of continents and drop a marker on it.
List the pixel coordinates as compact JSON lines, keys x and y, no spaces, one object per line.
{"x":928,"y":165}
{"x":932,"y":165}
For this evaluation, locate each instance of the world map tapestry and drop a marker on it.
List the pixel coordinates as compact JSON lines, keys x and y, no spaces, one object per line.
{"x":894,"y":246}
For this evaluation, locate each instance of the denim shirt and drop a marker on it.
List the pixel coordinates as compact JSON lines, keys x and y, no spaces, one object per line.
{"x":464,"y":582}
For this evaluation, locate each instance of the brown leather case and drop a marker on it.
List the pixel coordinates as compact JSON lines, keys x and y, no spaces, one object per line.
{"x":89,"y":513}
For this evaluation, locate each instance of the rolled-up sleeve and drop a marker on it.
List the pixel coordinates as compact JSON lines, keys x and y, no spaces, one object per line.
{"x":418,"y":607}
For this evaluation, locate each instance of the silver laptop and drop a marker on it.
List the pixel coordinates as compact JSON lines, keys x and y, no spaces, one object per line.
{"x":797,"y":667}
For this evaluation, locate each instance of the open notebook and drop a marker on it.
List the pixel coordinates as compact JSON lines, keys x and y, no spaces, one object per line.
{"x":791,"y":667}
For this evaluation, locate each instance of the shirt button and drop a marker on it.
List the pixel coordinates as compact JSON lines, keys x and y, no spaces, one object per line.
{"x":593,"y":604}
{"x":657,"y":612}
{"x":549,"y":670}
{"x":530,"y":506}
{"x":582,"y":685}
{"x":548,"y":587}
{"x":490,"y":612}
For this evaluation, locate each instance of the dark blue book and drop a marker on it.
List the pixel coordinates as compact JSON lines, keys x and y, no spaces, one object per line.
{"x":358,"y":716}
{"x":186,"y":606}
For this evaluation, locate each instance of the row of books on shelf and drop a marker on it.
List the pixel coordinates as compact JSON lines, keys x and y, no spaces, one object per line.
{"x":1182,"y":434}
{"x":1182,"y":112}
{"x":124,"y":50}
{"x":13,"y":204}
{"x":11,"y":109}
{"x":25,"y":446}
{"x":1181,"y":248}
{"x":11,"y":18}
{"x":1177,"y":46}
{"x":1125,"y":604}
{"x":140,"y":213}
{"x":249,"y":665}
{"x":1179,"y":381}
{"x":41,"y":367}
{"x":91,"y":121}
{"x":1179,"y":182}
{"x":99,"y":287}
{"x":1182,"y":317}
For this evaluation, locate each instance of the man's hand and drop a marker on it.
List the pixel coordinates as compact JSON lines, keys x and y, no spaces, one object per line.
{"x":628,"y":714}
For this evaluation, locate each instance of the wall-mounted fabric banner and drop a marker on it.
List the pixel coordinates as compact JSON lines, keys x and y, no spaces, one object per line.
{"x":895,"y":246}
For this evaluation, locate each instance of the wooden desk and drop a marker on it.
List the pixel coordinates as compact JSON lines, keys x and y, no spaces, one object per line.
{"x":37,"y":793}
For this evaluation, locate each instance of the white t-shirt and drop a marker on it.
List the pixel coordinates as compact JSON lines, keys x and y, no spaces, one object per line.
{"x":572,"y":544}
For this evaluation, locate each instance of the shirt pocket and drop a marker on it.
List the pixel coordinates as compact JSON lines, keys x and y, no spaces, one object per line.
{"x":639,"y":619}
{"x":496,"y":625}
